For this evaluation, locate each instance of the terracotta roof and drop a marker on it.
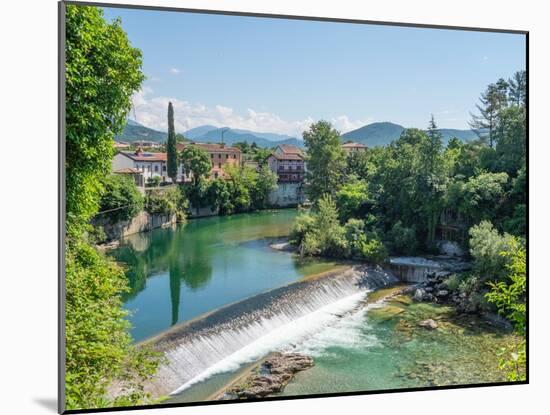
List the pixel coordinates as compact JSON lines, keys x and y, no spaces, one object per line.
{"x":144,"y":155}
{"x":288,"y":156}
{"x":290,"y":149}
{"x":354,"y":145}
{"x":210,"y":147}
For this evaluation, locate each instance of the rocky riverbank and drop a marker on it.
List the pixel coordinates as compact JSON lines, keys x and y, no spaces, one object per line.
{"x":270,"y":377}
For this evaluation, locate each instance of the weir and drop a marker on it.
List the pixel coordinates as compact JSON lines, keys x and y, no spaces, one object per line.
{"x":243,"y":332}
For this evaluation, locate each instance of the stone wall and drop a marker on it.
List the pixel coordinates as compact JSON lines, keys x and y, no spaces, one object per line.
{"x":287,"y":194}
{"x":202,"y":213}
{"x":142,"y":222}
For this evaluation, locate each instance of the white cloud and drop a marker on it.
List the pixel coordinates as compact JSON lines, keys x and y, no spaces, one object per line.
{"x":175,"y":71}
{"x":151,"y":111}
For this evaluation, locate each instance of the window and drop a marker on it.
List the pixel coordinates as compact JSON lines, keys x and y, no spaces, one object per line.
{"x":226,"y":156}
{"x":216,"y":175}
{"x":164,"y":167}
{"x":211,"y":155}
{"x":234,"y":156}
{"x":156,"y":168}
{"x":219,"y":165}
{"x":219,"y":155}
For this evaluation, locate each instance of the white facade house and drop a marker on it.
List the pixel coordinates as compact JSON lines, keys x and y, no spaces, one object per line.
{"x":149,"y":164}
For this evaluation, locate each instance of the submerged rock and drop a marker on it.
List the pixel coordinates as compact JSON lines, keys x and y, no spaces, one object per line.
{"x":419,"y":294}
{"x":274,"y":374}
{"x":429,"y":324}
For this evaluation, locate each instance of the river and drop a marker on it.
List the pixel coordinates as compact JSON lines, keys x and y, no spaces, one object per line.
{"x":179,"y":273}
{"x":260,"y":300}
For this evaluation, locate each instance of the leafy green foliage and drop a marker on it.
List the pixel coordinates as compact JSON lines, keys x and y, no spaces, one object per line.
{"x":120,"y":199}
{"x":102,"y":73}
{"x":244,"y":190}
{"x":153,"y":181}
{"x":402,"y":239}
{"x":320,"y":233}
{"x":196,"y":162}
{"x":477,"y":197}
{"x":98,"y":347}
{"x":352,"y":199}
{"x":509,"y":297}
{"x":167,"y":201}
{"x":326,"y":162}
{"x":487,"y":246}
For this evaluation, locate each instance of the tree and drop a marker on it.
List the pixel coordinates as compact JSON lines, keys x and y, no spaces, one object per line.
{"x":511,"y":138}
{"x":477,"y":198}
{"x":518,"y":89}
{"x":487,"y":247}
{"x":102,"y":72}
{"x":326,"y":160}
{"x":352,"y":199}
{"x":492,"y":101}
{"x":432,"y":179}
{"x":196,"y":162}
{"x":266,"y":182}
{"x":121,"y":199}
{"x":171,"y":151}
{"x":510,"y":298}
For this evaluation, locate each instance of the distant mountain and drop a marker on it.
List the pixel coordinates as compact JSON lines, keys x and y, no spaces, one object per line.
{"x":383,"y":133}
{"x":375,"y":134}
{"x":134,"y":131}
{"x":231,"y":136}
{"x":195,"y":133}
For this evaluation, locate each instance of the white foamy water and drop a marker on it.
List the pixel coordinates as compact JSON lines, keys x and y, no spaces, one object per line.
{"x":284,"y":329}
{"x":281,"y":322}
{"x":347,"y":332}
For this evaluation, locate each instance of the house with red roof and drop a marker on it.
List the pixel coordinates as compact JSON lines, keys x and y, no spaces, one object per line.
{"x":288,"y":163}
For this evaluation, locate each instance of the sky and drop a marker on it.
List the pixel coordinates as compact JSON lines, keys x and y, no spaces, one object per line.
{"x":279,"y":76}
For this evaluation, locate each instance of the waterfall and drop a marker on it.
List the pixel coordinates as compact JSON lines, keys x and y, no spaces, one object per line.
{"x":246,"y":331}
{"x":413,"y":269}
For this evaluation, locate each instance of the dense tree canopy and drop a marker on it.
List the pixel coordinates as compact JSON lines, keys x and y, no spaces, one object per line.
{"x":326,"y":160}
{"x":102,"y":73}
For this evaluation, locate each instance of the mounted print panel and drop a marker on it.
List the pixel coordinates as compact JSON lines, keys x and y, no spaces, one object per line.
{"x":264,"y":207}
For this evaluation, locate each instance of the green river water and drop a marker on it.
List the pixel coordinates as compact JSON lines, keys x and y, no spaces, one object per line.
{"x":178,"y":274}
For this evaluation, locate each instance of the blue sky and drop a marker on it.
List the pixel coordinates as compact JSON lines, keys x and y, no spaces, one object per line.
{"x":274,"y":75}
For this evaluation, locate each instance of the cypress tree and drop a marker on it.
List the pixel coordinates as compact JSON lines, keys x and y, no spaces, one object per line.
{"x":172,"y":152}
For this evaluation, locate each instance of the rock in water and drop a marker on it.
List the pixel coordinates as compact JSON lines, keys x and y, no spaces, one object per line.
{"x":274,"y":374}
{"x":429,"y":324}
{"x":419,"y":294}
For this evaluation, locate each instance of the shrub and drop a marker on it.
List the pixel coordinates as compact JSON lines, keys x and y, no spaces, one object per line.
{"x":120,"y":199}
{"x":153,"y":181}
{"x":402,"y":239}
{"x":351,"y":199}
{"x":373,"y":251}
{"x":303,"y":224}
{"x":167,"y":201}
{"x":487,"y":246}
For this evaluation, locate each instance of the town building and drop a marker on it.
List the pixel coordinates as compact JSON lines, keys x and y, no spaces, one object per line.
{"x":149,"y":164}
{"x":147,"y":144}
{"x":220,"y":156}
{"x":288,"y":163}
{"x":353,"y":147}
{"x":121,"y":145}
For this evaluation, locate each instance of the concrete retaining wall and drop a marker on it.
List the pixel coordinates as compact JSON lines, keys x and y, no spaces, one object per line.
{"x":142,"y":222}
{"x":287,"y":194}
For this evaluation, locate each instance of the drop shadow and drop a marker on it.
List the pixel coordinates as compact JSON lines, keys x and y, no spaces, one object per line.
{"x":48,"y":403}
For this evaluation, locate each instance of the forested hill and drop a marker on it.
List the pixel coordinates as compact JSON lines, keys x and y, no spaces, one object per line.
{"x":134,"y":131}
{"x":383,"y":133}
